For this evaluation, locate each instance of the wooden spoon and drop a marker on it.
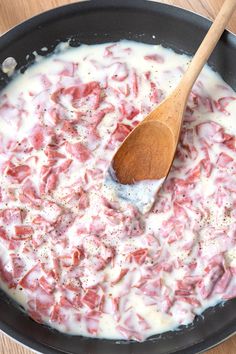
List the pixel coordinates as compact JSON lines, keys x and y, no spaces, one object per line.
{"x":148,"y":151}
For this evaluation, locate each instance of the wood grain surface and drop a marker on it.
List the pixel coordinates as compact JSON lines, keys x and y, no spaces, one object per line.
{"x":14,"y":11}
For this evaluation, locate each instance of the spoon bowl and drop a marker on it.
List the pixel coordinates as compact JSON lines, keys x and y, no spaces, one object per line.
{"x":145,"y":149}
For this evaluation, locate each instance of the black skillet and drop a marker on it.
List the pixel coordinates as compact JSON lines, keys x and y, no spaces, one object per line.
{"x":100,"y":21}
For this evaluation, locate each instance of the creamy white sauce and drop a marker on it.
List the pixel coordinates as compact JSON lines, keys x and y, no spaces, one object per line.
{"x":141,"y":194}
{"x":93,"y":66}
{"x":9,"y":65}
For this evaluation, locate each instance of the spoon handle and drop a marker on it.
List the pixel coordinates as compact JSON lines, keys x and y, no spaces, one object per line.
{"x":207,"y":46}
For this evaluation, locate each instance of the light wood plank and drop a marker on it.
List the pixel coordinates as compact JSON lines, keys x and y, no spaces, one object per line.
{"x":13,"y":12}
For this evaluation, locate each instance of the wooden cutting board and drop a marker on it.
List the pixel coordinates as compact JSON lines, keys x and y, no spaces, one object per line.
{"x":14,"y":11}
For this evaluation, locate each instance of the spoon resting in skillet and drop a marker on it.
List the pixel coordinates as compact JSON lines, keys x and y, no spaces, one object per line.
{"x":148,"y":151}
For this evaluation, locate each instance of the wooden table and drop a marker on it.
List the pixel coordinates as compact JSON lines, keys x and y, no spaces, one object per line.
{"x":14,"y":11}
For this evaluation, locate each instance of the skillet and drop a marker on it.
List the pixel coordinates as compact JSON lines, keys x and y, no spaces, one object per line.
{"x":100,"y":21}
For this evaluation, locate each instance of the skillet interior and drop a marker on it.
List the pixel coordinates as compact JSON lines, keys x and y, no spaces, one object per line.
{"x":100,"y":21}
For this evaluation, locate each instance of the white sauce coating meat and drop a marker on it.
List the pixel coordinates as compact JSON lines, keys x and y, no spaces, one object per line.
{"x":75,"y":255}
